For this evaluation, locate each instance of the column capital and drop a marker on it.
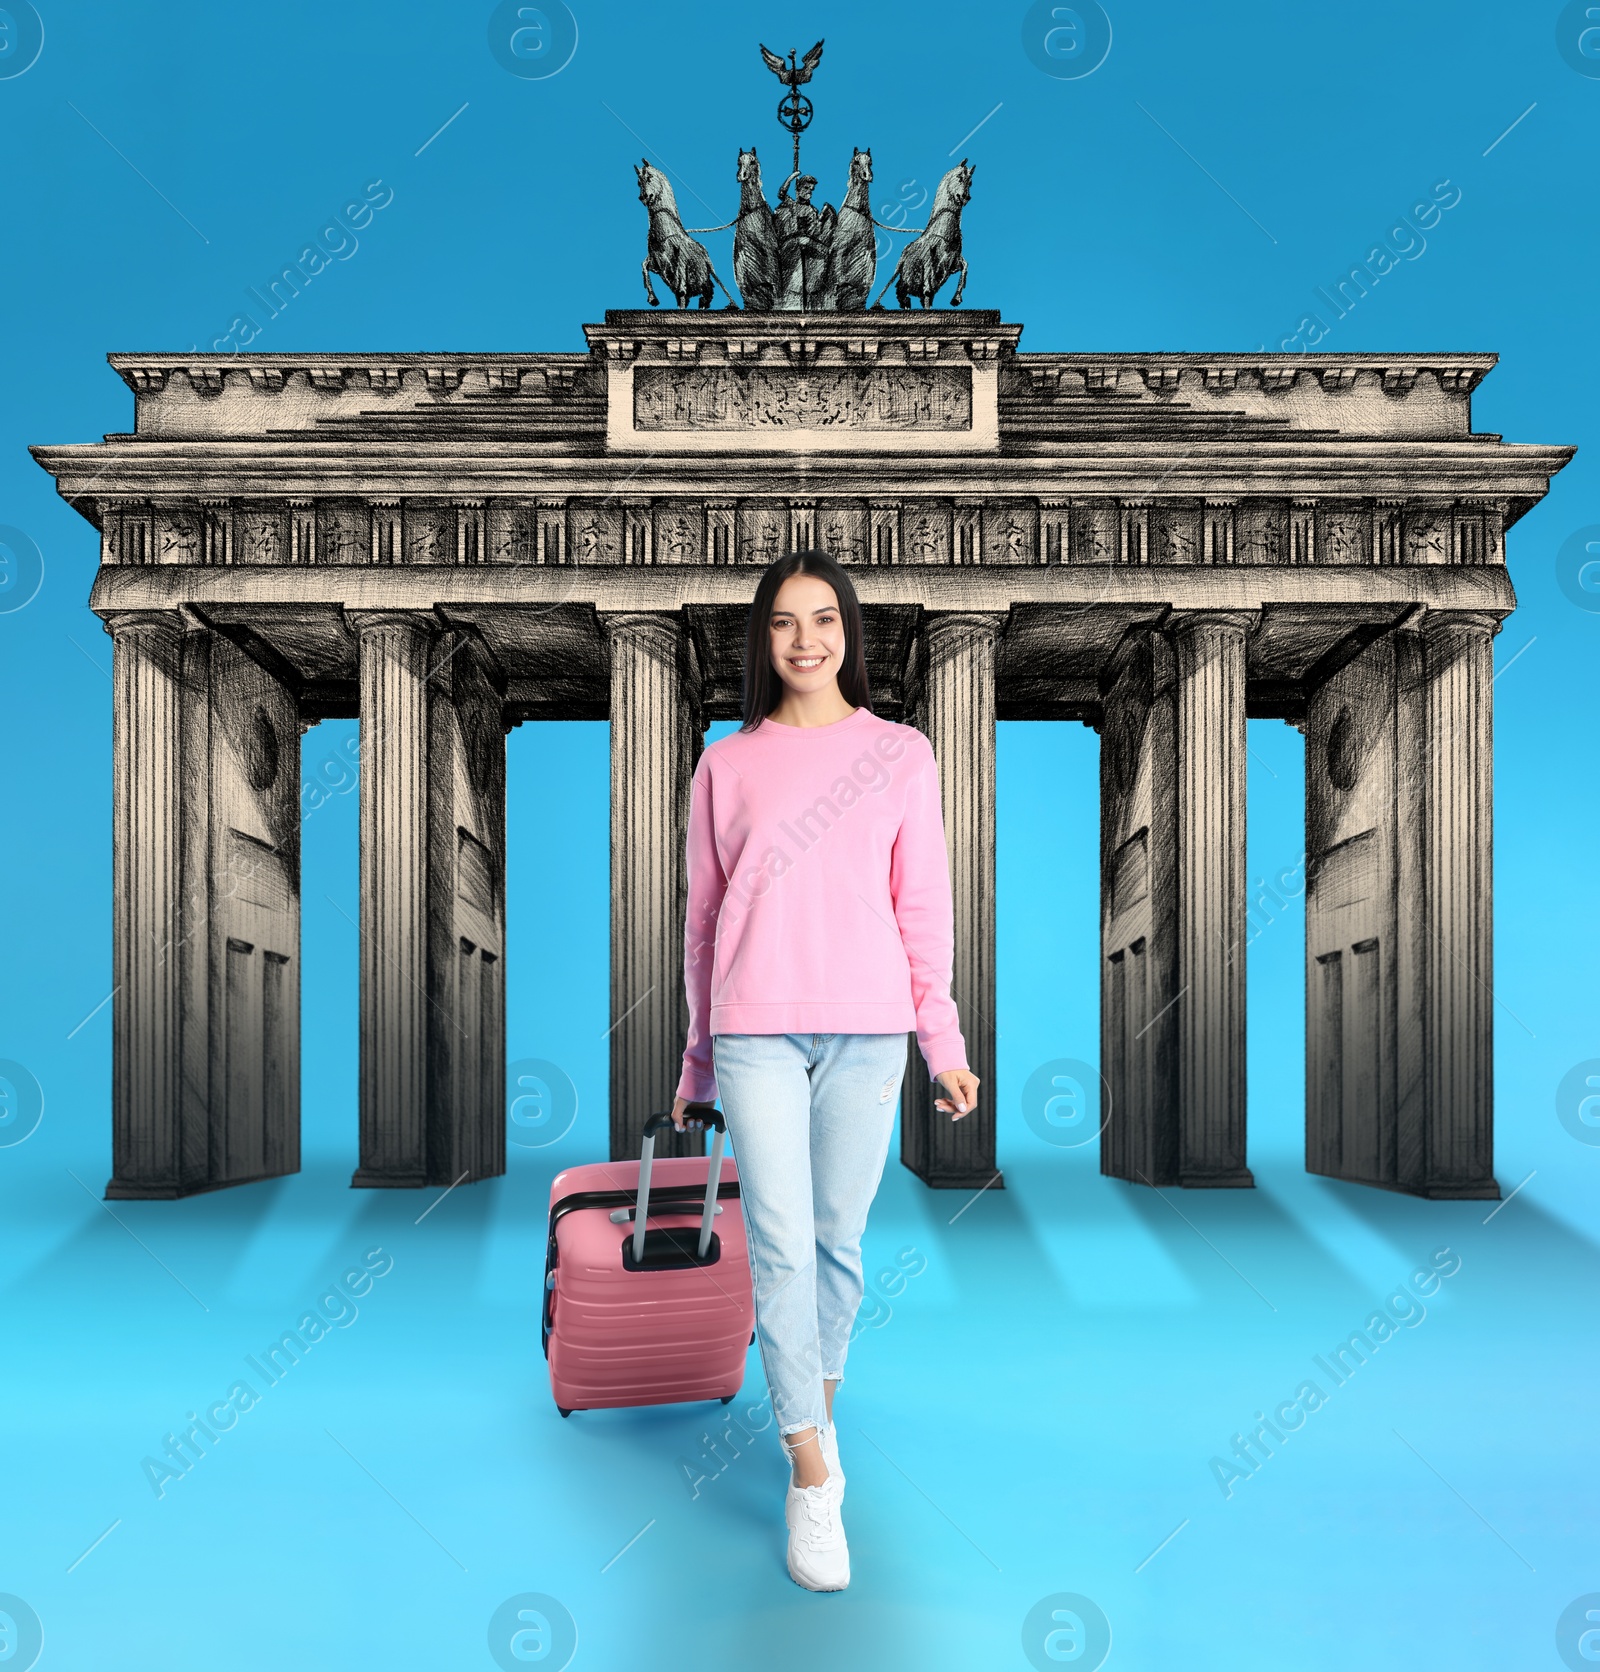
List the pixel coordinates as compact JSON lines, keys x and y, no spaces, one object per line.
{"x":119,"y":622}
{"x":1484,"y":620}
{"x":370,"y":621}
{"x":991,"y":622}
{"x":1242,"y":621}
{"x":1428,"y":618}
{"x":639,"y":624}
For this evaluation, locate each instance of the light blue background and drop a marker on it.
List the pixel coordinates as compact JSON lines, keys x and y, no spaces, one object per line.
{"x":1033,"y":1412}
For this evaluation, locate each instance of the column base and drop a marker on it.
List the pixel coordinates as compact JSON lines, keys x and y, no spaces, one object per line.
{"x":1238,"y":1178}
{"x":1443,"y":1190}
{"x":366,"y":1178}
{"x":958,"y":1181}
{"x":125,"y":1190}
{"x":1133,"y":1175}
{"x":164,"y":1190}
{"x":1478,"y":1190}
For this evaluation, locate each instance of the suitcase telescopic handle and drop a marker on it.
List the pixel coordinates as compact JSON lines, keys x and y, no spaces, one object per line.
{"x":703,"y":1112}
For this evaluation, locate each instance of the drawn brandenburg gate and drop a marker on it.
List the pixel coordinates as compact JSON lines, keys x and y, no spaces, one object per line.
{"x":446,"y":546}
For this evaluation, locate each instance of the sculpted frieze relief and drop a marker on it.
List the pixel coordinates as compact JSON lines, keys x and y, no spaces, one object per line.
{"x":776,"y":397}
{"x":925,"y":529}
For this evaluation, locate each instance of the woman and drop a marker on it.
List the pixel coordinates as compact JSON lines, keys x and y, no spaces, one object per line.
{"x":818,"y":933}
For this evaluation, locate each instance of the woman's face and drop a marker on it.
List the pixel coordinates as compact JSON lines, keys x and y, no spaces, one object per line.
{"x":807,"y":634}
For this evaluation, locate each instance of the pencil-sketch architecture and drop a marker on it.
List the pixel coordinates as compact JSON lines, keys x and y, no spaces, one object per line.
{"x":1158,"y":545}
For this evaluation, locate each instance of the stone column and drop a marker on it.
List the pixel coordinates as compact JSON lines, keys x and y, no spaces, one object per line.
{"x":432,"y":904}
{"x":197,"y":950}
{"x":654,"y":728}
{"x":147,"y":910}
{"x":241,"y":965}
{"x":1399,"y":1006}
{"x":1209,"y":744}
{"x":206,"y":1017}
{"x":955,"y":707}
{"x":394,"y":655}
{"x":1359,"y":800}
{"x":1453,"y":1154}
{"x":466,"y":1121}
{"x":1139,"y":984}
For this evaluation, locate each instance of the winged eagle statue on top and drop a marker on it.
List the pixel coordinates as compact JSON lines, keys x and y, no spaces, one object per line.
{"x":795,"y":256}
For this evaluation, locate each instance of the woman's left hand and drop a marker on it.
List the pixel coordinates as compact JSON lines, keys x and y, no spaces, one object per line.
{"x":962,"y":1086}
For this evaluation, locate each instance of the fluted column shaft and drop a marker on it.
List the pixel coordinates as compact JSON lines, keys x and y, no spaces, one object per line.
{"x":147,"y":907}
{"x":1210,"y":767}
{"x":652,"y":764}
{"x":394,"y":667}
{"x":956,"y":710}
{"x":1458,"y":941}
{"x":202,"y":1117}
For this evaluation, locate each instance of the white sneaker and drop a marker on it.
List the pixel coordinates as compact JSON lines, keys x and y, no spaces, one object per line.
{"x":830,"y":1455}
{"x":819,"y":1558}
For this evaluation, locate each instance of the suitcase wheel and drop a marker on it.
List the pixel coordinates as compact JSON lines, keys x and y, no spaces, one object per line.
{"x":727,"y":1399}
{"x":752,"y":1340}
{"x":564,"y":1410}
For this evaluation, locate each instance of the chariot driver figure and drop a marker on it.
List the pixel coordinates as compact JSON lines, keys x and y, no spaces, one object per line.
{"x":805,"y":236}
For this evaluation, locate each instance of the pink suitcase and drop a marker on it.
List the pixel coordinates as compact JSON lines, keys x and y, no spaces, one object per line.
{"x":653,"y":1308}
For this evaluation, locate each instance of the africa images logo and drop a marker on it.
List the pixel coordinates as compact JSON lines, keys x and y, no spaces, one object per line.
{"x":1250,"y":1455}
{"x":335,"y":1309}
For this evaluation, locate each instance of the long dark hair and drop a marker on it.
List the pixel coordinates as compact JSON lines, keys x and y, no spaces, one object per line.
{"x":763,"y":689}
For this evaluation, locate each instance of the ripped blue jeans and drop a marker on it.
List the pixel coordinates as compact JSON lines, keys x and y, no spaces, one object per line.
{"x":809,"y":1118}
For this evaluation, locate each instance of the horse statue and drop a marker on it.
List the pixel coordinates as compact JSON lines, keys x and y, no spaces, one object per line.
{"x":935,"y":253}
{"x":677,"y":260}
{"x":755,"y":240}
{"x":853,"y":256}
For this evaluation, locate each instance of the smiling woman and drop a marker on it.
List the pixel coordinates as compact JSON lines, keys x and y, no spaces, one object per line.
{"x":801,"y":922}
{"x":804,"y":661}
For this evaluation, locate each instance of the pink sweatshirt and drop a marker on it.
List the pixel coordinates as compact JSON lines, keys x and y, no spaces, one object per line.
{"x":819,"y":891}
